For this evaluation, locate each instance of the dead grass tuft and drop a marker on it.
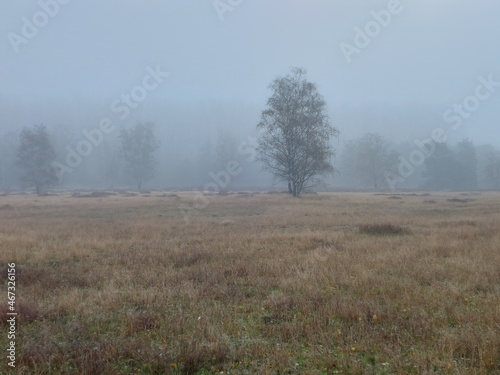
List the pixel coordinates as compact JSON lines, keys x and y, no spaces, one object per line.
{"x":90,"y":359}
{"x":94,"y":194}
{"x":141,"y":321}
{"x":28,"y":311}
{"x":459,"y":200}
{"x":457,"y":223}
{"x":190,"y":258}
{"x":385,"y":229}
{"x":53,"y":277}
{"x":197,"y":354}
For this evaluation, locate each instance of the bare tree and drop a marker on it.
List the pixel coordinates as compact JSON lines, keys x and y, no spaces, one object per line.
{"x":35,"y":156}
{"x":368,"y":158}
{"x":294,"y":143}
{"x":137,"y":147}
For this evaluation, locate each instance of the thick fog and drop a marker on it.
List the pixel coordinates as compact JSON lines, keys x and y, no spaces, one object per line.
{"x":200,"y":70}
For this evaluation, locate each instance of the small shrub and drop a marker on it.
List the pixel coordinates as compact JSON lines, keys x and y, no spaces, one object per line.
{"x":382,"y":229}
{"x":94,"y":194}
{"x":458,"y":200}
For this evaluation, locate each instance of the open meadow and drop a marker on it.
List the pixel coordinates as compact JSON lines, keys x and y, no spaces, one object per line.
{"x":253,"y":283}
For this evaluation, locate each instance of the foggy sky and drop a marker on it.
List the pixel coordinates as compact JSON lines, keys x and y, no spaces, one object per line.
{"x":428,"y":57}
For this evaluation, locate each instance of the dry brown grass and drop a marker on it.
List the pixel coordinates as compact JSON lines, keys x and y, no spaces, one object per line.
{"x":117,"y":284}
{"x":382,"y":229}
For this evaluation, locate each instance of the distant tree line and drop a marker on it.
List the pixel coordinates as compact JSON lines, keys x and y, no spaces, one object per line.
{"x":366,"y":161}
{"x":26,"y":162}
{"x":132,"y":155}
{"x":294,"y":146}
{"x":35,"y":156}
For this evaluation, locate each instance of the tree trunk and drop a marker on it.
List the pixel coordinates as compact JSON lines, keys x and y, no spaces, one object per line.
{"x":290,"y":191}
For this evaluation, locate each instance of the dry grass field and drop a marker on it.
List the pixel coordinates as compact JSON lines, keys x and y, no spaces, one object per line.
{"x":340,"y":283}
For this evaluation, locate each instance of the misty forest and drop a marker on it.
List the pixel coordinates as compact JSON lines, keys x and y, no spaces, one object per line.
{"x":64,"y":157}
{"x":250,"y":187}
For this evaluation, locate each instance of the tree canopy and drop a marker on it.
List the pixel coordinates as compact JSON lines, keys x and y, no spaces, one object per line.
{"x":137,"y":147}
{"x":35,"y":156}
{"x":294,"y":143}
{"x":369,"y":158}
